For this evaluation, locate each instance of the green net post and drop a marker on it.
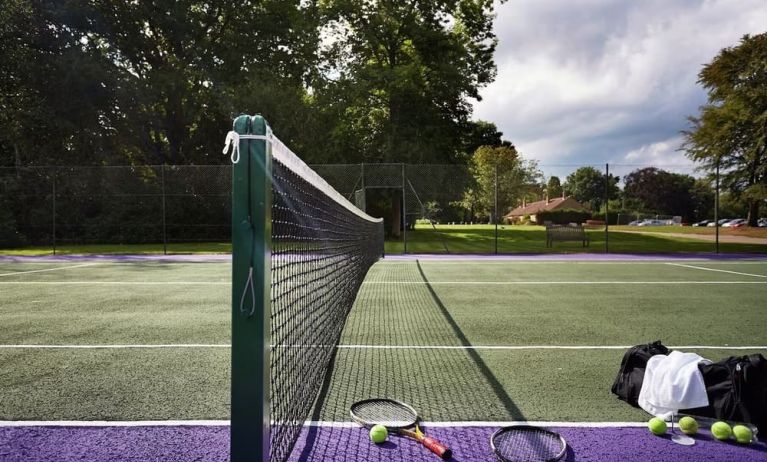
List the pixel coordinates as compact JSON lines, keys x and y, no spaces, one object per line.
{"x":251,"y":236}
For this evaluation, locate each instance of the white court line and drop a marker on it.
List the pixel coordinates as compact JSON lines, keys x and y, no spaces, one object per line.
{"x":573,"y":262}
{"x":117,"y":347}
{"x":717,"y":270}
{"x":118,"y":283}
{"x":50,"y":269}
{"x":322,"y":424}
{"x":471,"y":423}
{"x":203,"y":283}
{"x":542,"y":347}
{"x":115,"y":423}
{"x":560,"y":282}
{"x":385,"y":347}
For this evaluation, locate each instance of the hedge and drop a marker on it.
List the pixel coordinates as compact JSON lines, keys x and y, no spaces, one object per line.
{"x":562,"y":217}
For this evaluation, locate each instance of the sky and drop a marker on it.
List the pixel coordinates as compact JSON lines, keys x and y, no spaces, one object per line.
{"x":589,"y":82}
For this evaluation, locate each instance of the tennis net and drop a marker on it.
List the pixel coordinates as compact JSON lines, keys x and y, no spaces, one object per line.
{"x":297,"y":267}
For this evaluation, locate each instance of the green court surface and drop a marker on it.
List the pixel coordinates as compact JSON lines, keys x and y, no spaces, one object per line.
{"x":462,"y":341}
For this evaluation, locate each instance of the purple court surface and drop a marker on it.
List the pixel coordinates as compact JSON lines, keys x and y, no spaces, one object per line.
{"x":346,"y":444}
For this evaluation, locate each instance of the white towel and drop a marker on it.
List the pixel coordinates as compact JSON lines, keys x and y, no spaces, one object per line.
{"x":672,"y":383}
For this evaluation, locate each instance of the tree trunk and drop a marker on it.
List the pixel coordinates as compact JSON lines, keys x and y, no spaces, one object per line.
{"x":753,"y":212}
{"x":396,"y":217}
{"x":17,"y":159}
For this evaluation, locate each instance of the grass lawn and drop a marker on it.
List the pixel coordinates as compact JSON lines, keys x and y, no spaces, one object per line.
{"x":745,"y":231}
{"x":477,"y":239}
{"x":101,"y":249}
{"x":532,"y":239}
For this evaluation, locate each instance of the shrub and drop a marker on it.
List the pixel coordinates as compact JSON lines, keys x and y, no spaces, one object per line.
{"x":562,"y":217}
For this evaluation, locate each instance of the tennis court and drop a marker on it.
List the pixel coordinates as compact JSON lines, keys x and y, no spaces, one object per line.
{"x":131,"y":356}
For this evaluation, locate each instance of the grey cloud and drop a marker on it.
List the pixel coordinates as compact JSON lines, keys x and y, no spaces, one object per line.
{"x":594,"y":81}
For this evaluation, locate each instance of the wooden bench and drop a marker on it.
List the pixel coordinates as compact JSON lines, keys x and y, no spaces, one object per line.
{"x":566,"y":233}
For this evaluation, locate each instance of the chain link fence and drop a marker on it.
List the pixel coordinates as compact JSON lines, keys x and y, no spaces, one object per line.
{"x":426,"y":209}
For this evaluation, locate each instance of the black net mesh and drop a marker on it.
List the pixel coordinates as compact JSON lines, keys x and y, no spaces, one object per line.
{"x":321,"y":252}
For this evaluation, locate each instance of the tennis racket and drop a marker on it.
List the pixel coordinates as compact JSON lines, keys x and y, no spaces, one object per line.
{"x":396,"y":416}
{"x":527,"y":444}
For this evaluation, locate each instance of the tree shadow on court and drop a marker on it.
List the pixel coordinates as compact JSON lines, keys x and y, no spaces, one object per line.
{"x":451,"y":384}
{"x":512,"y":410}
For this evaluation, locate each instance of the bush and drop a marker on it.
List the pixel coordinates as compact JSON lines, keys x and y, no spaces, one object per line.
{"x":613,"y":217}
{"x":562,"y":217}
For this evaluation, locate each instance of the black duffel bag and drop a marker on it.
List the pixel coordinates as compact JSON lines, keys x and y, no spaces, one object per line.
{"x":736,"y":389}
{"x":628,"y":383}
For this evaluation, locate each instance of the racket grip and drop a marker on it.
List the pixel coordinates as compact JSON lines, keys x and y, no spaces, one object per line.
{"x":437,"y":448}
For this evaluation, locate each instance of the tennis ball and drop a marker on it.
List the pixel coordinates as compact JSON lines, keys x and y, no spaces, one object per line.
{"x":742,"y":434}
{"x":378,"y":434}
{"x":657,"y":426}
{"x":688,"y":425}
{"x":721,"y":430}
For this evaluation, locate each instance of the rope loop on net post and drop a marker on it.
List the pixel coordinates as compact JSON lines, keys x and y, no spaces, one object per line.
{"x":233,"y":139}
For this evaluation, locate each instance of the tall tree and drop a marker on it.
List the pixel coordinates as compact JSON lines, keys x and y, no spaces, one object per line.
{"x":554,"y":187}
{"x":515,"y":176}
{"x":155,"y":82}
{"x":731,"y":130}
{"x":589,"y":186}
{"x":662,"y":192}
{"x":400,"y":75}
{"x":51,"y":85}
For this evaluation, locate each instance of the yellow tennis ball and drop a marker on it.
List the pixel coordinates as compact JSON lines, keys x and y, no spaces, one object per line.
{"x":742,"y":434}
{"x":657,"y":426}
{"x":378,"y":434}
{"x":721,"y":430}
{"x":688,"y":425}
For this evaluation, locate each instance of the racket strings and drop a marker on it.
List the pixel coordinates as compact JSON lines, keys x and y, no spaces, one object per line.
{"x":528,"y":445}
{"x":387,"y":413}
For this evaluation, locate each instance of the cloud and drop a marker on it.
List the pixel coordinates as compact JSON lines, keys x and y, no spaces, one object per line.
{"x":594,"y":81}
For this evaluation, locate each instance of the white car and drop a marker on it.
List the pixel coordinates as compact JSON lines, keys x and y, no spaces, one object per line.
{"x":733,"y":223}
{"x":762,"y":223}
{"x":652,"y":223}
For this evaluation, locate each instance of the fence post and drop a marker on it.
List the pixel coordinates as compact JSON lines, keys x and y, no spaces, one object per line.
{"x":607,"y":207}
{"x":716,"y":206}
{"x":404,"y":211}
{"x":53,"y":237}
{"x":495,"y":205}
{"x":164,"y":230}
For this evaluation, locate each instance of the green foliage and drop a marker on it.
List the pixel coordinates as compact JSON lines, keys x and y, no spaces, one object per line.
{"x":587,"y":185}
{"x":403,"y":75}
{"x":554,"y":187}
{"x":562,"y":217}
{"x":616,"y":216}
{"x":513,"y":174}
{"x":665,"y":193}
{"x":731,"y":130}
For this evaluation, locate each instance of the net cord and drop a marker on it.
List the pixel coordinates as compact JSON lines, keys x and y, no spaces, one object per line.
{"x":287,"y":158}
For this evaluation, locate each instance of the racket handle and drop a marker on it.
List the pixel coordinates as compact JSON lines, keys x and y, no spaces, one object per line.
{"x":437,"y":448}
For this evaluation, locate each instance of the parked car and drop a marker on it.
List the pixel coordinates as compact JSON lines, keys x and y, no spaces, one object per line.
{"x":635,"y":223}
{"x":734,"y":223}
{"x":721,"y":222}
{"x":762,"y":223}
{"x":649,"y":222}
{"x":703,"y":223}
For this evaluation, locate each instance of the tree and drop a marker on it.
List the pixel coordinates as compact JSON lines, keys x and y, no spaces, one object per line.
{"x":110,"y":81}
{"x":481,"y":133}
{"x":589,"y":187}
{"x":554,"y":187}
{"x":514,"y":176}
{"x":731,"y":130}
{"x":661,"y":192}
{"x":400,"y":75}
